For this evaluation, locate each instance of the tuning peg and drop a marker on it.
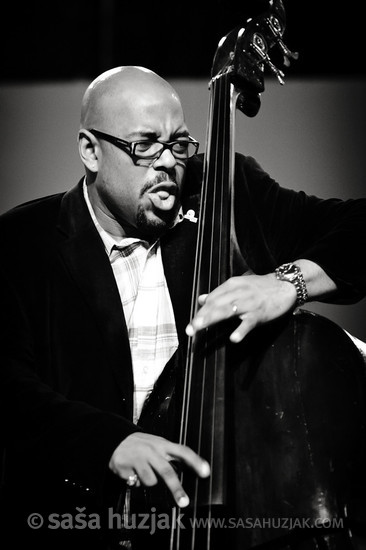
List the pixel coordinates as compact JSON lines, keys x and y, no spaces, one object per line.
{"x":288,"y":54}
{"x":260,"y":47}
{"x":277,"y":30}
{"x":277,"y":72}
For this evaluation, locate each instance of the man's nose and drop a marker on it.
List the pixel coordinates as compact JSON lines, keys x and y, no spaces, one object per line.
{"x":166,"y":159}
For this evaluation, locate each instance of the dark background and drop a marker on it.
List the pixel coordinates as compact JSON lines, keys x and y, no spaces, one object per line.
{"x":81,"y":38}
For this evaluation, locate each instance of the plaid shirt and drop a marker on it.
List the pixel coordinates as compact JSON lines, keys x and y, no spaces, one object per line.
{"x":139,"y":274}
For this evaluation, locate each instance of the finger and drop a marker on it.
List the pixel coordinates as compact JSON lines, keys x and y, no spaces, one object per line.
{"x":146,"y":476}
{"x":165,"y":450}
{"x":188,"y":457}
{"x":169,"y":476}
{"x":230,"y":285}
{"x":247,"y":324}
{"x":166,"y":471}
{"x":133,"y":480}
{"x":225,"y":306}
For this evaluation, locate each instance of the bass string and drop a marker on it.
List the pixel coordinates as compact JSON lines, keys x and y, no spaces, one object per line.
{"x":214,"y":273}
{"x":217,"y":263}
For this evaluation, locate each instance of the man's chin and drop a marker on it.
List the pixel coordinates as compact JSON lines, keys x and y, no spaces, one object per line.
{"x":152,"y":226}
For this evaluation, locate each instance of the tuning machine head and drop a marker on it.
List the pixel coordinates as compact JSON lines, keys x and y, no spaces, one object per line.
{"x":246,"y":52}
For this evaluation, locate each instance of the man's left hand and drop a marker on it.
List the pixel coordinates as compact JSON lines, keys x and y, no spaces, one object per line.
{"x":255,"y":299}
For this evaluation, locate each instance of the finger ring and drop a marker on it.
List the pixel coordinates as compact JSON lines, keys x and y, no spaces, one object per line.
{"x":235,"y":309}
{"x":132,"y":480}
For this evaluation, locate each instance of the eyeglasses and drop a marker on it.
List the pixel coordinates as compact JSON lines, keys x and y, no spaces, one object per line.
{"x":146,"y":152}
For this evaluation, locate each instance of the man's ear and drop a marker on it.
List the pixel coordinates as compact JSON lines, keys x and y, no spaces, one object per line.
{"x":88,"y":150}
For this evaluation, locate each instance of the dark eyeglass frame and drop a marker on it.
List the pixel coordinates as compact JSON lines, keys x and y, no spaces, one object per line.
{"x":129,"y":147}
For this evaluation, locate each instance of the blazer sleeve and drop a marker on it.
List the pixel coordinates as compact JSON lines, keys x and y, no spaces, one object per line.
{"x":295,"y":225}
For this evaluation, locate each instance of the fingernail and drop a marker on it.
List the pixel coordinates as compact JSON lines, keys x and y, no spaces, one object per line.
{"x":189,"y":330}
{"x":183,"y":501}
{"x":235,"y":337}
{"x":205,"y":469}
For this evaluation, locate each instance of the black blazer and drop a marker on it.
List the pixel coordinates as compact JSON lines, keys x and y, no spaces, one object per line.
{"x":67,"y":383}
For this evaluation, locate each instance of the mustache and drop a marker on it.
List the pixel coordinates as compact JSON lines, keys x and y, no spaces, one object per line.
{"x":159,"y":178}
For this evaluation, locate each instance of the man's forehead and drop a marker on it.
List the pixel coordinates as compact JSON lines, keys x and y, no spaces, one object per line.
{"x":144,"y":115}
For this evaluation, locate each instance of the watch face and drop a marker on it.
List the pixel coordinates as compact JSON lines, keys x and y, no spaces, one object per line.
{"x":291,"y":274}
{"x":291,"y":270}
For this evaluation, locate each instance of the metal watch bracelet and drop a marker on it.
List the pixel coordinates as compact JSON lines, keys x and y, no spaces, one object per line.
{"x":292,"y":273}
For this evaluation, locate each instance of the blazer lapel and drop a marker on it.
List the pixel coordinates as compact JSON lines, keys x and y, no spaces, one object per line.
{"x":84,"y":256}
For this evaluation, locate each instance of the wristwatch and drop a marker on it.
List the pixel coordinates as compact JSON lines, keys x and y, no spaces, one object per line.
{"x":292,"y":273}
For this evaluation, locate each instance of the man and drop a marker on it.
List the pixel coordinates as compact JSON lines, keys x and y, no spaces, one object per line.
{"x":95,"y":287}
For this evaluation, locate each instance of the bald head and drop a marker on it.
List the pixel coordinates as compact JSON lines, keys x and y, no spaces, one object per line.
{"x":112,"y":95}
{"x":132,"y":191}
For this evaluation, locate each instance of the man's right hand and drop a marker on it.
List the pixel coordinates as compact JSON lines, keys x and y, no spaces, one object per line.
{"x":150,"y":456}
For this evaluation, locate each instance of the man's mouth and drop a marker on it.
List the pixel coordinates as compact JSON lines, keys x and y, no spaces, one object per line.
{"x":163,"y":195}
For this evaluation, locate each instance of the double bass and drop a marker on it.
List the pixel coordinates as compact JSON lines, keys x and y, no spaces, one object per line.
{"x":280,"y":417}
